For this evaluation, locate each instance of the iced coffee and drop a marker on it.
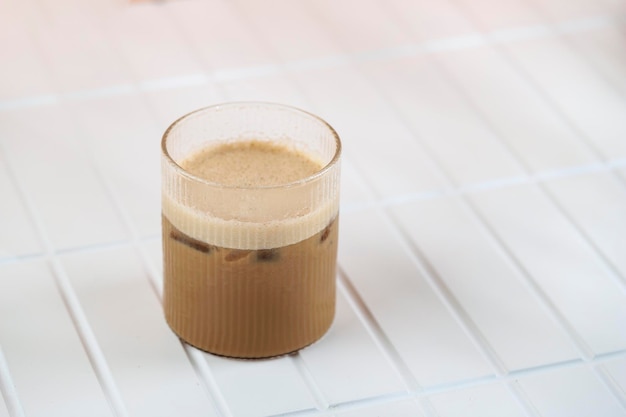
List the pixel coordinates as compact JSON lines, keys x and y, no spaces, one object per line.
{"x":250,"y":209}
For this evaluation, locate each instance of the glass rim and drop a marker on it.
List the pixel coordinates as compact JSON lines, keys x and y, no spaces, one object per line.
{"x":181,"y":171}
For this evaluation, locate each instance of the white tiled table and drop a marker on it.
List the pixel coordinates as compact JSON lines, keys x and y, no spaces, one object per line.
{"x":482,"y":264}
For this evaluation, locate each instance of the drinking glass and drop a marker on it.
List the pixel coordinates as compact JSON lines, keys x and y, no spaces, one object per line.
{"x":249,"y":271}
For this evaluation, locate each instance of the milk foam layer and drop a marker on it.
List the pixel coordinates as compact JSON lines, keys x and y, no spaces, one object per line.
{"x":206,"y":226}
{"x":251,"y":163}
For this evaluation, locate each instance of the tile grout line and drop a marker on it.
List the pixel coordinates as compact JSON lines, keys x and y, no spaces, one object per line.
{"x":607,"y":167}
{"x":194,"y":356}
{"x":69,"y":298}
{"x":77,"y":315}
{"x":36,"y":256}
{"x":7,"y":389}
{"x":352,"y":405}
{"x":376,"y":332}
{"x":606,"y":263}
{"x":518,"y":268}
{"x":488,"y":185}
{"x":522,"y":399}
{"x":582,"y":137}
{"x":208,"y":73}
{"x":572,"y":46}
{"x":435,"y":281}
{"x":483,"y":345}
{"x":296,"y":359}
{"x":383,"y":343}
{"x":610,"y":267}
{"x":309,"y":380}
{"x":394,"y":52}
{"x":609,"y":383}
{"x":511,"y":379}
{"x":446,"y":296}
{"x":151,"y":268}
{"x":470,"y":189}
{"x":493,"y":235}
{"x":397,"y":363}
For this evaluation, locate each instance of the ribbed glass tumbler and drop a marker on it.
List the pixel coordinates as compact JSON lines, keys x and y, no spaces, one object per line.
{"x":249,"y":269}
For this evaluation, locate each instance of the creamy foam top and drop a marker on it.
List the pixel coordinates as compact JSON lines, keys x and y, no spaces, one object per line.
{"x":249,"y":164}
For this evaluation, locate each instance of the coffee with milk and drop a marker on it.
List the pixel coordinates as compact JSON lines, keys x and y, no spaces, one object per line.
{"x":244,"y":288}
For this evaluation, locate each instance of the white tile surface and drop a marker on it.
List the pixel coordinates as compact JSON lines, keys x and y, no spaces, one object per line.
{"x":490,"y":400}
{"x":515,"y":111}
{"x":404,"y":305}
{"x":260,"y":388}
{"x":571,"y":392}
{"x":571,"y":84}
{"x":617,"y":371}
{"x":273,"y":88}
{"x":168,"y":104}
{"x":44,"y":355}
{"x":347,"y":365}
{"x":493,"y":15}
{"x":21,"y":62}
{"x":358,"y":27}
{"x":117,"y":130}
{"x":425,"y":99}
{"x":563,"y":264}
{"x":379,"y":146}
{"x":354,"y":192}
{"x":490,"y":291}
{"x":19,"y":237}
{"x":425,"y":20}
{"x":88,"y":61}
{"x":483,"y":204}
{"x":4,"y":412}
{"x":146,"y":360}
{"x":218,"y":34}
{"x":287,"y":29}
{"x":51,"y":165}
{"x":575,"y":9}
{"x":150,"y":44}
{"x":597,"y":202}
{"x":603,"y":50}
{"x":399,"y":409}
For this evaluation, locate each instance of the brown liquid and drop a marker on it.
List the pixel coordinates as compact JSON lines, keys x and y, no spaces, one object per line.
{"x":249,"y":303}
